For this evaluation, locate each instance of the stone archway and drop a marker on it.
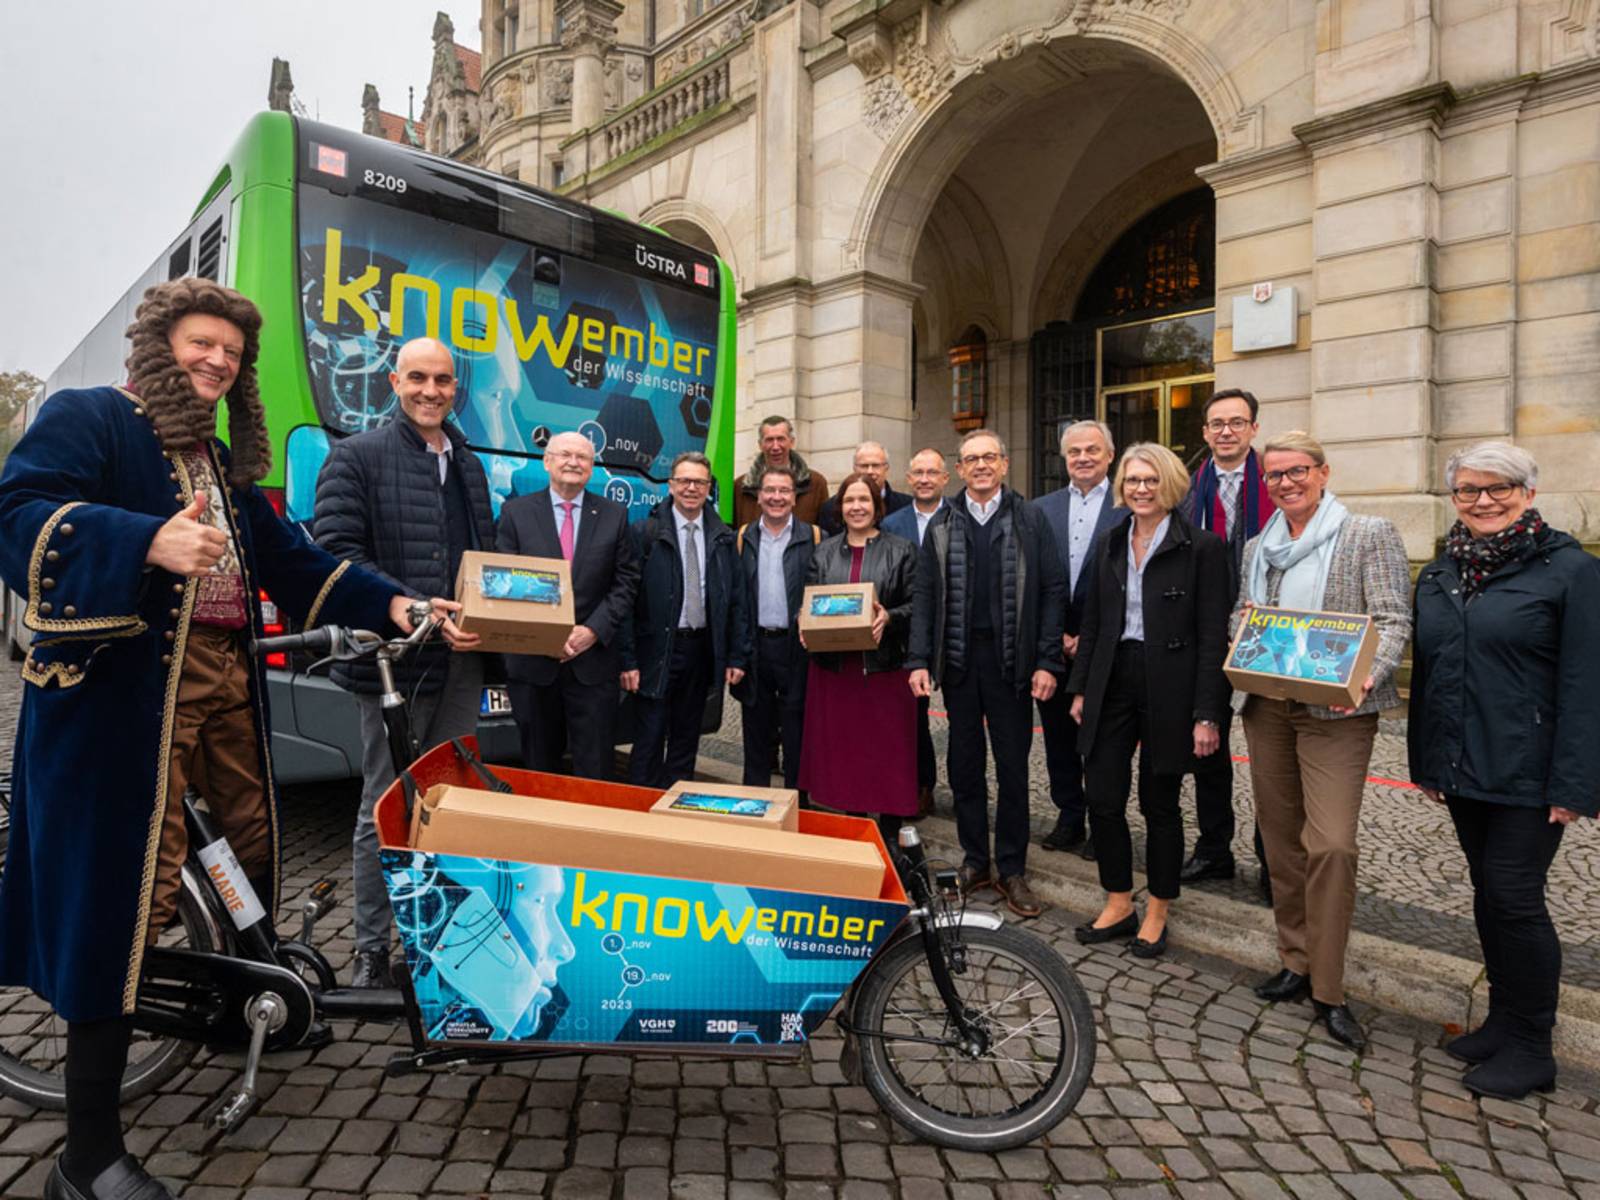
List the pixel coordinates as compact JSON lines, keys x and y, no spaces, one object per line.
{"x":695,"y":224}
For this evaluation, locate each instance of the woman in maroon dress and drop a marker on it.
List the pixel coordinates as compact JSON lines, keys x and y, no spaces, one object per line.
{"x":859,"y":750}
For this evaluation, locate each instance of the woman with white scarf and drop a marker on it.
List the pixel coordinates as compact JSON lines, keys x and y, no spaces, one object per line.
{"x":1308,"y":765}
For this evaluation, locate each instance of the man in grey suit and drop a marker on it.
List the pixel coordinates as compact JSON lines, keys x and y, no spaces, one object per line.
{"x":927,"y":476}
{"x":1079,"y":515}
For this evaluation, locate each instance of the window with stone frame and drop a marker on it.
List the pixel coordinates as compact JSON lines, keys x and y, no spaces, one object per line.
{"x":1167,"y":262}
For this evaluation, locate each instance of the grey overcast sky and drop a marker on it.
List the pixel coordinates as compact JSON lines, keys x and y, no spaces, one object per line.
{"x":118,"y":112}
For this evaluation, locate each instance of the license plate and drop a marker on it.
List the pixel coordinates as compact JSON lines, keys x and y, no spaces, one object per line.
{"x":496,"y":702}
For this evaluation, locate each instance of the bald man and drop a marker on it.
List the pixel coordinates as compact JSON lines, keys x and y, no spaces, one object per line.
{"x":871,"y":460}
{"x":406,"y":501}
{"x":568,"y":702}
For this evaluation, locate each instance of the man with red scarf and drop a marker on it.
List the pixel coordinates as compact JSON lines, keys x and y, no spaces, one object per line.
{"x":1229,"y":499}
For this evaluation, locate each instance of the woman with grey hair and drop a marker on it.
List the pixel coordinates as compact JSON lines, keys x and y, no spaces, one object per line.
{"x":1308,"y":764}
{"x":1503,"y":724}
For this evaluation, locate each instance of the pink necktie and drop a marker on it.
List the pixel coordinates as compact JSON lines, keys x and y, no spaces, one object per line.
{"x":568,"y":534}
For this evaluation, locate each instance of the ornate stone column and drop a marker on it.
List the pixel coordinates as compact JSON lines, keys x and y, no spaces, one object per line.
{"x":589,"y":30}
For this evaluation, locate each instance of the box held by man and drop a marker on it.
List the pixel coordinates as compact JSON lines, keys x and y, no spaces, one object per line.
{"x":517,"y":603}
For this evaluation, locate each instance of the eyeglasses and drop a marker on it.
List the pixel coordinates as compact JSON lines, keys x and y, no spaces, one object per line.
{"x":1468,"y":493}
{"x":1293,"y":475}
{"x":972,"y":460}
{"x":1140,"y":483}
{"x":1237,"y":424}
{"x":689,"y":482}
{"x":577,"y":455}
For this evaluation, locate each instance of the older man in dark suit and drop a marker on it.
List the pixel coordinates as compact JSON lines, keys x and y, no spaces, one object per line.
{"x":1079,"y":515}
{"x":571,"y":701}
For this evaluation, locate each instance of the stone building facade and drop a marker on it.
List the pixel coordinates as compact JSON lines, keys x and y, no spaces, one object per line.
{"x":1019,"y":212}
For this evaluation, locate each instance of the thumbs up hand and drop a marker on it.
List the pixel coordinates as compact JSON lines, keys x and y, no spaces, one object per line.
{"x":184,"y":545}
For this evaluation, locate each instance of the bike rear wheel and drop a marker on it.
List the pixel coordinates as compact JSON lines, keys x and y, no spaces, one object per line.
{"x":33,"y":1039}
{"x":1033,"y":1013}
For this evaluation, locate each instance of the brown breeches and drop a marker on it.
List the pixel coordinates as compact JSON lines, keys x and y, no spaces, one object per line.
{"x":214,"y":750}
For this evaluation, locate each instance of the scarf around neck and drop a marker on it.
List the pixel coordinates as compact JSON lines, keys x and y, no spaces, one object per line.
{"x":1304,"y":560}
{"x":1477,"y":558}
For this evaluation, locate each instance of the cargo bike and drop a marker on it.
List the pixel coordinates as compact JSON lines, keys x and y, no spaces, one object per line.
{"x":970,"y":1033}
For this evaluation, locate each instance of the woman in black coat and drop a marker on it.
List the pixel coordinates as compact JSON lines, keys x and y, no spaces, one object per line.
{"x":1148,"y":673}
{"x":858,"y":751}
{"x":1504,"y":729}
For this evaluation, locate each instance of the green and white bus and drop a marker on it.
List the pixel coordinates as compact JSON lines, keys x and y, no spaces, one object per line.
{"x":561,"y":317}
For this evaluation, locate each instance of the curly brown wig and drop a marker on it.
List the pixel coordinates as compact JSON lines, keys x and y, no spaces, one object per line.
{"x":180,"y":417}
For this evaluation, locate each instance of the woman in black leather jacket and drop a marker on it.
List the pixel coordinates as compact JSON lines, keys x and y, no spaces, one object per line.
{"x":859,"y":750}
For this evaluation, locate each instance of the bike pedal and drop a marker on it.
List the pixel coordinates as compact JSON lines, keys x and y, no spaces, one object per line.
{"x":229,"y":1111}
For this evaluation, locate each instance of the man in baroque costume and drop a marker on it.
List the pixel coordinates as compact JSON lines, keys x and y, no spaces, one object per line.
{"x":140,"y":544}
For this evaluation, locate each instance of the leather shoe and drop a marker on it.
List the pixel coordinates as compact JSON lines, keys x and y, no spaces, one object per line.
{"x":973,"y":879}
{"x":1067,"y":834}
{"x":1285,"y":985}
{"x":1089,"y":934}
{"x":371,"y":970}
{"x":1198,"y":868}
{"x":1019,"y":896}
{"x":924,"y":803}
{"x":1483,"y":1042}
{"x":1140,"y":948}
{"x":124,"y":1179}
{"x":1341,"y":1024}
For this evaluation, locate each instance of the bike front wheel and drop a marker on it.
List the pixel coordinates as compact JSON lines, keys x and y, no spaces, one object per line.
{"x":1025,"y":1071}
{"x":33,"y":1039}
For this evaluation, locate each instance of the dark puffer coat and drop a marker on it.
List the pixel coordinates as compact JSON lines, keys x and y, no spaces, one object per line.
{"x":889,"y":563}
{"x":1032,"y":599}
{"x":1505,"y":700}
{"x":379,"y":505}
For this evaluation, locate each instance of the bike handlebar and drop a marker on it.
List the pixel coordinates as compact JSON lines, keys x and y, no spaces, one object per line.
{"x":320,"y":641}
{"x":336,"y":641}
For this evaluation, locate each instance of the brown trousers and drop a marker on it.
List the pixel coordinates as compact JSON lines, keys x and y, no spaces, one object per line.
{"x":1308,"y":775}
{"x":214,"y":749}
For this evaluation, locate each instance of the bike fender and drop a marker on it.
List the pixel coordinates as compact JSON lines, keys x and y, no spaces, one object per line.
{"x":977,"y":919}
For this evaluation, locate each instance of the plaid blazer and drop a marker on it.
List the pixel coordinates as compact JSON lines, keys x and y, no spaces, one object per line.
{"x":1369,"y":574}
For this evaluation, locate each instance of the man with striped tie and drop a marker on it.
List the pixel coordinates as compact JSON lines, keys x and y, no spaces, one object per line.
{"x":1229,"y":499}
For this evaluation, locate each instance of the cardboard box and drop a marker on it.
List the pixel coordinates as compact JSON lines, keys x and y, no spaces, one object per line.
{"x":762,"y":808}
{"x":1318,"y":658}
{"x":458,"y":820}
{"x":518,"y":604}
{"x":837,"y":616}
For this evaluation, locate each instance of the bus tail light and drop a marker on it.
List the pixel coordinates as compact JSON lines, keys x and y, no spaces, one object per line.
{"x":272,"y":626}
{"x":275,"y":497}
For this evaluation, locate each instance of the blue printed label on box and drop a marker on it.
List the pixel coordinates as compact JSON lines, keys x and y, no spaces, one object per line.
{"x":1318,"y":647}
{"x":504,"y":952}
{"x":722,"y":806}
{"x":837,"y":604}
{"x":520,"y":583}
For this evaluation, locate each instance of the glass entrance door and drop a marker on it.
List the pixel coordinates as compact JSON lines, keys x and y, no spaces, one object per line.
{"x":1154,"y":378}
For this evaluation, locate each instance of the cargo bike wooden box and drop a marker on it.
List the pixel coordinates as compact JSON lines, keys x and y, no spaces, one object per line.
{"x":969,"y":1032}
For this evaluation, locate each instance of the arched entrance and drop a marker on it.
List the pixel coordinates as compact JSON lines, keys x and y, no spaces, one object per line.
{"x":1071,"y":228}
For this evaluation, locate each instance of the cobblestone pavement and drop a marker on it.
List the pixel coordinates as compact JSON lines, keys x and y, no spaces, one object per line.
{"x":1200,"y":1091}
{"x":1412,"y":886}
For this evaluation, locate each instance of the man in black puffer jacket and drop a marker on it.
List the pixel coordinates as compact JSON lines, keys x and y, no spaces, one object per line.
{"x":986,"y":627}
{"x":405,"y":501}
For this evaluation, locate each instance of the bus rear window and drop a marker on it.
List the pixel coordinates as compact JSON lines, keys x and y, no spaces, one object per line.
{"x":543,"y":341}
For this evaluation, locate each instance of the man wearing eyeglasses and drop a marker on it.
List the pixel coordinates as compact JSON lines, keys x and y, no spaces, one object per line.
{"x":871,"y":460}
{"x":986,"y":627}
{"x":1230,"y":499}
{"x":689,"y":632}
{"x":570,"y":702}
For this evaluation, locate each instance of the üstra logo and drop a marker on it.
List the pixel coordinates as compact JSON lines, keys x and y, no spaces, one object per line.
{"x":659,"y":262}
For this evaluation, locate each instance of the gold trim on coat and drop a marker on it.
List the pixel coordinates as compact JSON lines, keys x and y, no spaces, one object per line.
{"x":322,"y":596}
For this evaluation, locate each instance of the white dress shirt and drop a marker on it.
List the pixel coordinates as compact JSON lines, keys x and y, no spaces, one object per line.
{"x":982,"y":512}
{"x":695,"y":545}
{"x":1085,"y":509}
{"x":924,"y":517}
{"x":1133,"y":622}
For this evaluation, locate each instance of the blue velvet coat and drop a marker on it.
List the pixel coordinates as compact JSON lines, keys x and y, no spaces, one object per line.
{"x":81,"y":497}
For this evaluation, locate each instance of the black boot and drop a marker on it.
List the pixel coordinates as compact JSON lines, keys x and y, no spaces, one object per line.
{"x":1483,"y":1042}
{"x":1523,"y":1064}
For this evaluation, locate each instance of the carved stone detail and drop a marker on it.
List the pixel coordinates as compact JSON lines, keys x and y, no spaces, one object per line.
{"x":1574,"y":35}
{"x":589,"y":25}
{"x":871,"y":49}
{"x":884,"y":105}
{"x":1167,"y":10}
{"x":558,"y":83}
{"x":698,"y":49}
{"x":921,"y":77}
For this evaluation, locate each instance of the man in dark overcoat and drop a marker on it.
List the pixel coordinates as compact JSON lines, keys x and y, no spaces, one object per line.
{"x":140,"y":544}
